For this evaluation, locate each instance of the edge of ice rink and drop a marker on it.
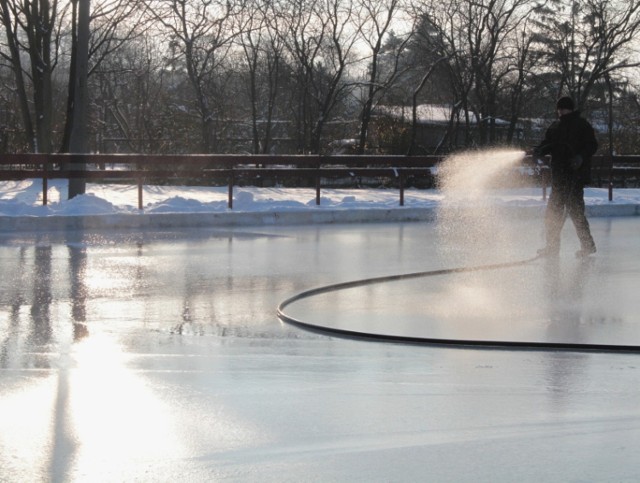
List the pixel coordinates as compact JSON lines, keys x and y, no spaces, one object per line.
{"x":271,"y":218}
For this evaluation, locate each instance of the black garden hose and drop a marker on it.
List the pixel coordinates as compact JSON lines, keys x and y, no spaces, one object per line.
{"x":436,"y":341}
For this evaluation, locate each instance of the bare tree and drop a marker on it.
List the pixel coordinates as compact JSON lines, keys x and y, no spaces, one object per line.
{"x":251,"y":43}
{"x":441,"y":31}
{"x":587,"y":41}
{"x":319,"y":38}
{"x":375,"y":20}
{"x":493,"y":26}
{"x":32,"y":28}
{"x":39,"y":38}
{"x":202,"y":33}
{"x":78,"y":136}
{"x":263,"y":54}
{"x":521,"y":77}
{"x":478,"y":37}
{"x":414,"y":102}
{"x":139,"y":101}
{"x":114,"y":23}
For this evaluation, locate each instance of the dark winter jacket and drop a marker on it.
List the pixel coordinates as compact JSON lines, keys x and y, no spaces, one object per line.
{"x":567,"y":137}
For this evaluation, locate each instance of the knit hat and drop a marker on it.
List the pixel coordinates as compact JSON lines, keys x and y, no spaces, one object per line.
{"x":565,"y":103}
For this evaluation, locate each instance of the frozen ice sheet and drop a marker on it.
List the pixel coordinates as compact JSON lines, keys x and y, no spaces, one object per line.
{"x":158,"y":356}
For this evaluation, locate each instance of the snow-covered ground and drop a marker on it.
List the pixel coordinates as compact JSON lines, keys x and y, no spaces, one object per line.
{"x":24,"y":198}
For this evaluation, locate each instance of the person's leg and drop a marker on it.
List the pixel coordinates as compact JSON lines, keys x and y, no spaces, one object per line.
{"x":554,"y":219}
{"x":576,"y":210}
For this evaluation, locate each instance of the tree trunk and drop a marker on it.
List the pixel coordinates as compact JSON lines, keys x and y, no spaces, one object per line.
{"x":16,"y":66}
{"x":78,"y":139}
{"x":39,"y":33}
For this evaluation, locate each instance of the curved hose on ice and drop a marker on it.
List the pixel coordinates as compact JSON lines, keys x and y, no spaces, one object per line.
{"x":435,"y":341}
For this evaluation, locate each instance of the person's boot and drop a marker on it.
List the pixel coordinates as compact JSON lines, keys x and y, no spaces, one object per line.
{"x":549,"y":251}
{"x":586,"y":251}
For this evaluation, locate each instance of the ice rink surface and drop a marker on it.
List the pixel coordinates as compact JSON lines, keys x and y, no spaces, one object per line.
{"x":158,"y":356}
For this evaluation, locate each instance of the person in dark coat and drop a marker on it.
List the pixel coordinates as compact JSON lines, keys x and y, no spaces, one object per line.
{"x":571,"y":142}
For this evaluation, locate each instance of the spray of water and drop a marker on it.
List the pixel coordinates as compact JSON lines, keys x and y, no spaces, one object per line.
{"x":472,"y":173}
{"x":470,"y":223}
{"x":473,"y":229}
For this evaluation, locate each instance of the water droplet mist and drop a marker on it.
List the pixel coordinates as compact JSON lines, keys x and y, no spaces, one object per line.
{"x":471,"y":226}
{"x":474,"y":229}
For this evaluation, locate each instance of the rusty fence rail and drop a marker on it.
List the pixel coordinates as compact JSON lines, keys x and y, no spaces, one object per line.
{"x":230,"y":169}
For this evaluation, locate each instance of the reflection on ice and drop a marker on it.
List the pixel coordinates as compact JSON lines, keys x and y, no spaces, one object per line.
{"x":108,"y":412}
{"x":26,"y":418}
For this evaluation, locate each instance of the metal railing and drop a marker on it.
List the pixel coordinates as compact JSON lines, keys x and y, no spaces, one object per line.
{"x":192,"y":170}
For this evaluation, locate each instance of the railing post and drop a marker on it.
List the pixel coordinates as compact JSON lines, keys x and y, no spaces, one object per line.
{"x":611,"y":179}
{"x":140,"y":201}
{"x":318,"y":176}
{"x":230,"y":193}
{"x":401,"y":175}
{"x":610,"y":191}
{"x":45,"y":184}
